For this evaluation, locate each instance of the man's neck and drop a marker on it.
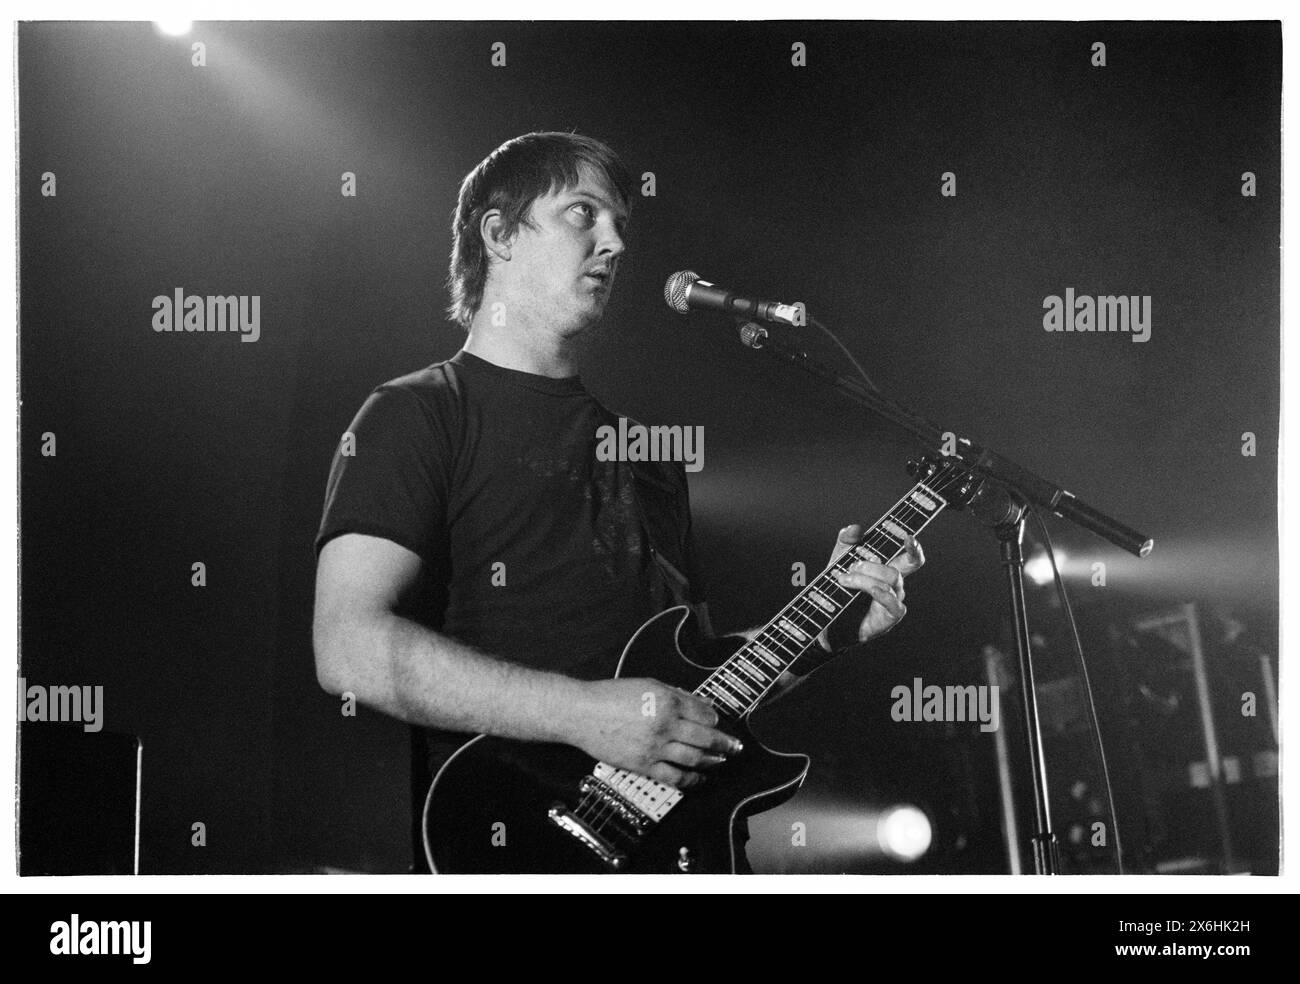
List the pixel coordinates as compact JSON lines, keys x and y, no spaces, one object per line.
{"x":536,"y":352}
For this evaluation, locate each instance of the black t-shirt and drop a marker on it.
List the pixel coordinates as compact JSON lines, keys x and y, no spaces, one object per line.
{"x":533,"y":549}
{"x":491,"y":476}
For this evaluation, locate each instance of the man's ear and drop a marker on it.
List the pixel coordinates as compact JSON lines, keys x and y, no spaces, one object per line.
{"x":492,"y":228}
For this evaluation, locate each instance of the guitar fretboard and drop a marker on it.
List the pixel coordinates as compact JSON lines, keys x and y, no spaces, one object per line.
{"x":738,"y":685}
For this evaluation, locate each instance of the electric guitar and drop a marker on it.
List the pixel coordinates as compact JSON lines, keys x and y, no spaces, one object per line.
{"x":499,"y":806}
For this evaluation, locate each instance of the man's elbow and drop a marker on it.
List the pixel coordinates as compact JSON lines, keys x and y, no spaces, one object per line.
{"x":332,"y":647}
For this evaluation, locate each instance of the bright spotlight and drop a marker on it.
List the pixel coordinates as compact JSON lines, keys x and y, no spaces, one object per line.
{"x":1038,"y":568}
{"x":903,"y":833}
{"x":174,"y":27}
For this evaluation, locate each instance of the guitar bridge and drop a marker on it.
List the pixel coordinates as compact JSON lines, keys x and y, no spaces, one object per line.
{"x":636,"y":822}
{"x":602,"y":848}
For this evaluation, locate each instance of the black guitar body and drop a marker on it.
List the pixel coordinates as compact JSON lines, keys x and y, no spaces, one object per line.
{"x":493,"y":807}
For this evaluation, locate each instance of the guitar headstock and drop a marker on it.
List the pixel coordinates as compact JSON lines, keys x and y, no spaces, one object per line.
{"x":948,"y":476}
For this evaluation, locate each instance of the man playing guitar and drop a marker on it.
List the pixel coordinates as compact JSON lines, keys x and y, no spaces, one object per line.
{"x":479,"y":570}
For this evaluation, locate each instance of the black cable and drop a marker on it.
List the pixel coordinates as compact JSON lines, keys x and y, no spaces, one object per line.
{"x":862,"y":372}
{"x":1094,"y":726}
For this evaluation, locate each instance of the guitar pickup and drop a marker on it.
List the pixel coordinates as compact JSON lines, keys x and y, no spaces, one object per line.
{"x":602,"y":848}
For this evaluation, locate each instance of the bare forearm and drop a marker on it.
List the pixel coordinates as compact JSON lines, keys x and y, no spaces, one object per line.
{"x":426,"y":678}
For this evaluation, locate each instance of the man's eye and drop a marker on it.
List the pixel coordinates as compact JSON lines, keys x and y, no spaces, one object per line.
{"x":586,"y":209}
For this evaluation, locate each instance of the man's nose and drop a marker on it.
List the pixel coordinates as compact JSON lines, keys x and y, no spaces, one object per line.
{"x":611,"y":243}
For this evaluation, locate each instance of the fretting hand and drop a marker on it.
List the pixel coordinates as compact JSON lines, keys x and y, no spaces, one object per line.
{"x":882,"y":582}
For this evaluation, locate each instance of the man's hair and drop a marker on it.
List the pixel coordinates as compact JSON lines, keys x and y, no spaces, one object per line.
{"x":511,"y":178}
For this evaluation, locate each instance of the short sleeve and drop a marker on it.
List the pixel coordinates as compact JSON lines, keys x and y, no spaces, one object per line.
{"x":391,"y":475}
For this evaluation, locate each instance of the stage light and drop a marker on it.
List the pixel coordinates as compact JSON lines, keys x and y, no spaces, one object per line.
{"x":174,"y":27}
{"x":1038,"y":568}
{"x":903,"y":833}
{"x":842,"y":835}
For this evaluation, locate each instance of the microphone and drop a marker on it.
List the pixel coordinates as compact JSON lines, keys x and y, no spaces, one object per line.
{"x":685,"y":292}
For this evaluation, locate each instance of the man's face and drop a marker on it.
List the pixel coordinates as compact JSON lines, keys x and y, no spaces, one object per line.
{"x":562,"y":268}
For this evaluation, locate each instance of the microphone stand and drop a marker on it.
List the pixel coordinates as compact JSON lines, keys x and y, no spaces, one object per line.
{"x":1001,"y":503}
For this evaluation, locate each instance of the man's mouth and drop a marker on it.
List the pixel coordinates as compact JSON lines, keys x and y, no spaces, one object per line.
{"x":601,"y":275}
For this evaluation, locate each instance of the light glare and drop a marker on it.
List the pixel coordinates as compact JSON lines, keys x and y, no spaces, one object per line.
{"x":904,"y":833}
{"x":174,"y":27}
{"x":1038,"y":568}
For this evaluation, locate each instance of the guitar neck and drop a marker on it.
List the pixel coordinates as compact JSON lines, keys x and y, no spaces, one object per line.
{"x":739,"y":684}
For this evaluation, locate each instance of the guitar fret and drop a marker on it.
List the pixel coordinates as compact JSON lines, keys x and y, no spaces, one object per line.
{"x":848,"y":593}
{"x":739,"y":685}
{"x":775,"y":642}
{"x":723,"y":695}
{"x":811,"y":621}
{"x":808,"y":610}
{"x":865,"y":554}
{"x":749,"y":670}
{"x":932,"y":494}
{"x":905,"y":525}
{"x":889,"y":547}
{"x":895,"y":530}
{"x":780,"y":642}
{"x":923,"y":500}
{"x":791,"y":624}
{"x":920,"y":513}
{"x":733,"y":687}
{"x":805,"y":620}
{"x":822,"y":602}
{"x":766,"y":655}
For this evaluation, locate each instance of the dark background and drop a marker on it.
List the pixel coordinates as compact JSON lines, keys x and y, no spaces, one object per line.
{"x":818,"y":184}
